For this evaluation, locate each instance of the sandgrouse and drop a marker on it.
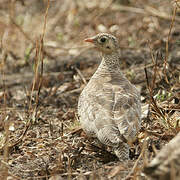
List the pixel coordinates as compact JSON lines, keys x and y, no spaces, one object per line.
{"x":109,"y":107}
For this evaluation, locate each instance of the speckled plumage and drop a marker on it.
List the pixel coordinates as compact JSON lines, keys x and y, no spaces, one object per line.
{"x":109,"y":107}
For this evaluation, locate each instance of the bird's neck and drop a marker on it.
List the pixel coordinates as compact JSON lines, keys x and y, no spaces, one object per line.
{"x":109,"y":64}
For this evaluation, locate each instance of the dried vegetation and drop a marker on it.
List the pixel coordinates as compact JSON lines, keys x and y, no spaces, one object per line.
{"x":44,"y":65}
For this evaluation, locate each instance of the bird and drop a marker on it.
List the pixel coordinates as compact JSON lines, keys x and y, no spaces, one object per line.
{"x":109,"y":106}
{"x":166,"y":165}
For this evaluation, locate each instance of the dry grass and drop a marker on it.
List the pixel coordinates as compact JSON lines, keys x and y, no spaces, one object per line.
{"x":45,"y":65}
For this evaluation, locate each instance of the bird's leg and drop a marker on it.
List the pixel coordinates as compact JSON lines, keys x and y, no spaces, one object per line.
{"x":122,"y":151}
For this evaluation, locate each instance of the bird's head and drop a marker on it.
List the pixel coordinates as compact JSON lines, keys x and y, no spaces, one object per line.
{"x":106,"y":43}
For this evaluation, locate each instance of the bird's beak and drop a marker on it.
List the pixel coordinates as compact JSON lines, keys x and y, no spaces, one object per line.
{"x":91,"y":40}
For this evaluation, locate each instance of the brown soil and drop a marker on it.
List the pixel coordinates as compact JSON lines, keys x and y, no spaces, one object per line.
{"x":40,"y":136}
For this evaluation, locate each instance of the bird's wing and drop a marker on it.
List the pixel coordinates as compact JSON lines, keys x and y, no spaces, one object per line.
{"x":111,"y":111}
{"x":118,"y":111}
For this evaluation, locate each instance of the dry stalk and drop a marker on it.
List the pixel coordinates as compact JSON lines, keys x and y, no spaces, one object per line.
{"x":39,"y":56}
{"x":80,"y":75}
{"x":21,"y":30}
{"x":154,"y":60}
{"x":151,"y":86}
{"x":153,"y":101}
{"x":148,"y":10}
{"x":39,"y":59}
{"x":167,"y":43}
{"x":133,"y":170}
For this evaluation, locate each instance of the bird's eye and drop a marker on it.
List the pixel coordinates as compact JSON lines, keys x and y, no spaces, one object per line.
{"x":103,"y":39}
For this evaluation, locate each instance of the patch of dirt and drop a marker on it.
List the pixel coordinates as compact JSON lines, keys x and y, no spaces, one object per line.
{"x":40,"y":136}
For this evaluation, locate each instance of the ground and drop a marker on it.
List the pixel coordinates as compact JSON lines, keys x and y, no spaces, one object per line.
{"x":45,"y":65}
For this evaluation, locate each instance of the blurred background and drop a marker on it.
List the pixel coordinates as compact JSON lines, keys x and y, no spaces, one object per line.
{"x":35,"y":118}
{"x":134,"y":22}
